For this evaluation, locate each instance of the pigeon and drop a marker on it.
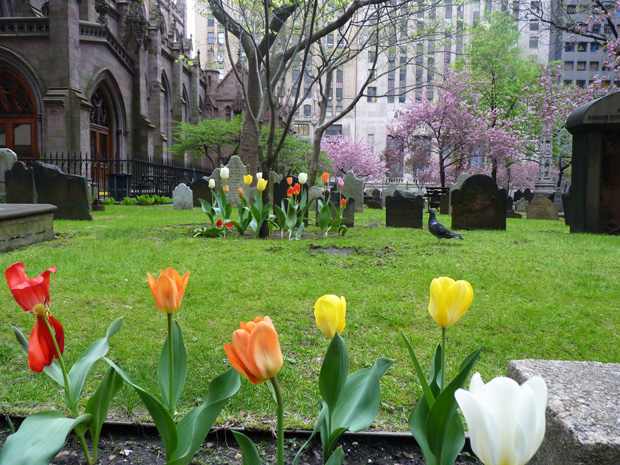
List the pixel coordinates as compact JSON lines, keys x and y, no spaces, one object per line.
{"x":439,"y":230}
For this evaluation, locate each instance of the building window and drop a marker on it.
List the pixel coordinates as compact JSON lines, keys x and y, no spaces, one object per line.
{"x":210,"y":20}
{"x":571,"y":9}
{"x":329,"y":111}
{"x":372,"y":73}
{"x":515,"y":9}
{"x":372,"y":95}
{"x":339,"y":75}
{"x":330,"y":41}
{"x":339,"y":94}
{"x":533,"y":25}
{"x":334,"y":130}
{"x":568,"y":82}
{"x":302,"y":129}
{"x":580,"y":82}
{"x":582,"y":46}
{"x":220,"y":38}
{"x":533,"y":42}
{"x":568,"y":66}
{"x":594,"y":66}
{"x":210,"y":37}
{"x":581,"y":66}
{"x":307,"y":110}
{"x":371,"y":56}
{"x":594,"y":47}
{"x":220,"y":56}
{"x":370,"y":140}
{"x":569,"y":47}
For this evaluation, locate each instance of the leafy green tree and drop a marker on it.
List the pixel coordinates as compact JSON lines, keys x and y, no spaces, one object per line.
{"x":215,"y":139}
{"x":499,"y":72}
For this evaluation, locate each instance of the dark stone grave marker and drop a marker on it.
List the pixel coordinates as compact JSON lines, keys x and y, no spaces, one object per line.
{"x":508,"y":204}
{"x":541,"y":208}
{"x":68,"y":192}
{"x":479,"y":204}
{"x":528,"y":195}
{"x":404,"y":210}
{"x":20,"y":184}
{"x":200,"y":190}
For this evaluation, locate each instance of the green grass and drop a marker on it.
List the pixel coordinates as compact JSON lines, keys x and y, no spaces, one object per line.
{"x":539,"y":292}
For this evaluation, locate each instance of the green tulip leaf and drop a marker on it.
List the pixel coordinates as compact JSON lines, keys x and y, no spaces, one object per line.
{"x":334,"y":372}
{"x":317,"y":427}
{"x":337,"y":458}
{"x":324,"y":217}
{"x":53,"y":370}
{"x":359,"y":402}
{"x":162,"y":419}
{"x":40,"y":437}
{"x":99,"y":404}
{"x":440,"y":418}
{"x":194,"y":427}
{"x":418,"y":369}
{"x":248,"y":449}
{"x":179,"y":369}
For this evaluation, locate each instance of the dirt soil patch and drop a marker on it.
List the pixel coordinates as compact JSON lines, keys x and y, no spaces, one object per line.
{"x":129,"y":445}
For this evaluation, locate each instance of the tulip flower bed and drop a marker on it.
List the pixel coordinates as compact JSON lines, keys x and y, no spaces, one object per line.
{"x":539,"y":292}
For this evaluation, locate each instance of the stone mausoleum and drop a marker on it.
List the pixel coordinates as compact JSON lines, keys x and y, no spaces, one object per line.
{"x":103,"y":77}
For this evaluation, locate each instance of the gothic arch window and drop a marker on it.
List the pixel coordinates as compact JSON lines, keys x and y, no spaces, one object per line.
{"x":18,"y":122}
{"x":166,"y":123}
{"x":186,"y":107}
{"x":5,"y":9}
{"x":228,"y":112}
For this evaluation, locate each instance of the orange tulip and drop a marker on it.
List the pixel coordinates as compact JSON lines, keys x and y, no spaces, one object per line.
{"x":226,"y":188}
{"x":168,"y":289}
{"x":296,"y":189}
{"x":289,"y":180}
{"x":240,"y":191}
{"x":325,"y":177}
{"x":289,"y":192}
{"x":255,"y":350}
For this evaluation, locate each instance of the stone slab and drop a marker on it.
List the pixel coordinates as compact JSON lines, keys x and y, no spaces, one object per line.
{"x":583,"y":412}
{"x":68,"y":192}
{"x":541,"y":208}
{"x":25,"y":224}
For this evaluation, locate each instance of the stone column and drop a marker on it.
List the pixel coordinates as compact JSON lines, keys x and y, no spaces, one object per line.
{"x":544,"y":185}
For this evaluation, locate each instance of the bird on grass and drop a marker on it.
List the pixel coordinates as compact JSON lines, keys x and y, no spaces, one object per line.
{"x":439,"y":230}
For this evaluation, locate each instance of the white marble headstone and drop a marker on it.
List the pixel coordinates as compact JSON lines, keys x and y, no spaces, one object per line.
{"x":353,"y":188}
{"x":7,"y":160}
{"x":182,"y":198}
{"x":389,"y":190}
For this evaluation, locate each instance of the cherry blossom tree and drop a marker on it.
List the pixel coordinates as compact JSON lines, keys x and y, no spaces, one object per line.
{"x":353,"y":155}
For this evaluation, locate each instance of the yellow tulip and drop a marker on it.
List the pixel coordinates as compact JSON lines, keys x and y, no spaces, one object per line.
{"x":449,"y":300}
{"x":247,"y":179}
{"x":261,"y":184}
{"x":329,"y":312}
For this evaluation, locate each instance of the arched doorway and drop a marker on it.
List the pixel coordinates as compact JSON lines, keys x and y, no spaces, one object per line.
{"x":18,"y":122}
{"x":101,"y":132}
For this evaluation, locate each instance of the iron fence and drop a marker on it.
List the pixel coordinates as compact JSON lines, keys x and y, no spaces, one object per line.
{"x":122,"y":176}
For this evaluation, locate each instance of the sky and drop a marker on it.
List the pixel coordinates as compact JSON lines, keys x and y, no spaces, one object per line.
{"x":191,"y":19}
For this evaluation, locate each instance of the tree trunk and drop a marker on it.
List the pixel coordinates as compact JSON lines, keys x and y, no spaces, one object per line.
{"x":442,"y":171}
{"x":494,"y":170}
{"x":316,"y":154}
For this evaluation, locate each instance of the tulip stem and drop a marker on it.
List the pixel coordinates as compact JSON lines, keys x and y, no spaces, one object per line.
{"x":171,"y":367}
{"x":280,"y":402}
{"x":65,"y":377}
{"x":443,"y":358}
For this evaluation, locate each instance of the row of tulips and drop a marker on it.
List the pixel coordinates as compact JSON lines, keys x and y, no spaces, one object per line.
{"x":506,"y":421}
{"x":289,"y":217}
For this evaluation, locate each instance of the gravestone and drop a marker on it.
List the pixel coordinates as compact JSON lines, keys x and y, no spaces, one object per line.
{"x":236,"y":171}
{"x":389,"y":190}
{"x":375,"y":193}
{"x":528,"y":195}
{"x":280,"y":189}
{"x":518,"y":195}
{"x":513,"y":215}
{"x":479,"y":204}
{"x":200,"y":190}
{"x":7,"y":160}
{"x":314,"y":193}
{"x":566,"y":205}
{"x":273,"y":179}
{"x":557,"y":200}
{"x":541,"y":208}
{"x":69,"y":192}
{"x":595,"y":177}
{"x":404,"y":210}
{"x":25,"y":224}
{"x":182,"y":198}
{"x":452,"y":187}
{"x":20,"y":184}
{"x":349,"y":210}
{"x":353,"y":188}
{"x":444,"y":206}
{"x":509,"y":204}
{"x":582,"y":426}
{"x":521,"y":205}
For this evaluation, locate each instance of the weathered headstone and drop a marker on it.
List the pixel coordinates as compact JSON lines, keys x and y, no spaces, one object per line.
{"x":509,"y":204}
{"x":353,"y":188}
{"x":444,"y":206}
{"x":68,"y":192}
{"x":349,"y":211}
{"x":521,"y":205}
{"x":25,"y":224}
{"x":566,"y":205}
{"x":375,"y":203}
{"x":479,"y":204}
{"x":582,"y":426}
{"x":280,"y":189}
{"x":236,"y":171}
{"x":541,"y":208}
{"x":389,"y":190}
{"x":273,"y":179}
{"x":453,"y":186}
{"x":7,"y":160}
{"x":20,"y":184}
{"x":404,"y":210}
{"x":528,"y":195}
{"x":182,"y":198}
{"x":375,"y":193}
{"x":518,"y":195}
{"x":200,"y":190}
{"x":314,"y":193}
{"x":513,"y":215}
{"x":557,"y":200}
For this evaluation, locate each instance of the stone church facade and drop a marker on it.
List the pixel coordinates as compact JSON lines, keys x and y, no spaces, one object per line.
{"x":107,"y":78}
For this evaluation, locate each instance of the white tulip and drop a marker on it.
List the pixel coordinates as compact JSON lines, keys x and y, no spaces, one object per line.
{"x":506,"y":421}
{"x":303,"y":177}
{"x":259,"y":175}
{"x":224,"y":173}
{"x":212,"y":183}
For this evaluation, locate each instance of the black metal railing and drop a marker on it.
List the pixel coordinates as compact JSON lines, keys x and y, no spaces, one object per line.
{"x":145,"y":177}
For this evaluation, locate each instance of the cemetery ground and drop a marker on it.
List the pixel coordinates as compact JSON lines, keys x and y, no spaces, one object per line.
{"x":539,"y":292}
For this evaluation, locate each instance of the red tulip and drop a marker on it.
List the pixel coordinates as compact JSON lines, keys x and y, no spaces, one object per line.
{"x":289,"y":192}
{"x":296,"y":189}
{"x":33,"y":295}
{"x":343,"y":202}
{"x":229,"y":224}
{"x":219,"y":223}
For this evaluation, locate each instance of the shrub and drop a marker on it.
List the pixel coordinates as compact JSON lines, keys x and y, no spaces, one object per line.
{"x":128,"y":201}
{"x":108,"y":201}
{"x":145,"y":199}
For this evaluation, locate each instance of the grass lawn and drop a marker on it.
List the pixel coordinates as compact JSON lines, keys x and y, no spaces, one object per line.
{"x":539,"y":292}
